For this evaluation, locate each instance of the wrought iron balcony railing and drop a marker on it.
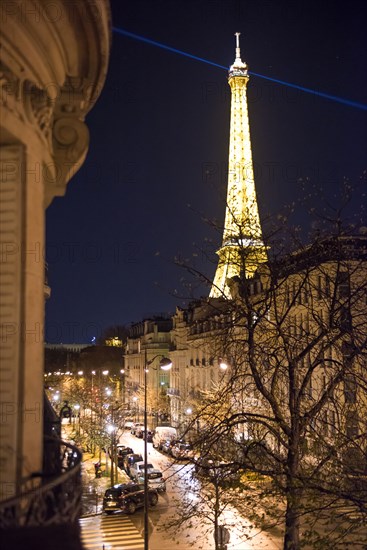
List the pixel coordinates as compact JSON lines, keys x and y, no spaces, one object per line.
{"x":52,"y":497}
{"x":173,"y":391}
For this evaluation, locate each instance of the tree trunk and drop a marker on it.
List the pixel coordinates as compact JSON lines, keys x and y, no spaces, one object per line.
{"x":293,"y":493}
{"x":292,"y":524}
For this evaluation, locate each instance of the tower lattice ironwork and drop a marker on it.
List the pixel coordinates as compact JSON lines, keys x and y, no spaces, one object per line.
{"x":242,"y":249}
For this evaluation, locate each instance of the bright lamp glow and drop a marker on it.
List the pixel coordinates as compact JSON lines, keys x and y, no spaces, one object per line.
{"x":165,"y":363}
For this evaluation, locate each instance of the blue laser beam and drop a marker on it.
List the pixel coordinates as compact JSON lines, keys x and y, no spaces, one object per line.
{"x":164,"y":47}
{"x":324,"y":95}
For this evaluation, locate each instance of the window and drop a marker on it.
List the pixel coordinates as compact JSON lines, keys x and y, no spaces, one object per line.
{"x":324,"y":422}
{"x":350,"y":389}
{"x":345,"y":318}
{"x":287,"y":295}
{"x":351,"y":425}
{"x":309,"y":389}
{"x":343,"y":284}
{"x":347,"y":352}
{"x":319,"y":287}
{"x":305,"y":296}
{"x":327,"y":286}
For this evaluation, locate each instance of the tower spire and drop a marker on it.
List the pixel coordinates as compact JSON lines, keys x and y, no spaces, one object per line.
{"x":238,"y":52}
{"x":242,"y":249}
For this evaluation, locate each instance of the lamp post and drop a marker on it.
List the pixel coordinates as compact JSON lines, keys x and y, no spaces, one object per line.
{"x":111,"y":429}
{"x":76,"y":417}
{"x":164,"y":364}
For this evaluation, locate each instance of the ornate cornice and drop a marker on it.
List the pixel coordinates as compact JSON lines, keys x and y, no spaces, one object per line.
{"x":46,"y":93}
{"x":10,"y":91}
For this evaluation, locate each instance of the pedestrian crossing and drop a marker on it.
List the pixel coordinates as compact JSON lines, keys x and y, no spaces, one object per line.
{"x":115,"y":532}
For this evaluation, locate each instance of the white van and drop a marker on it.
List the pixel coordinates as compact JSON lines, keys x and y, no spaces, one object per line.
{"x":161,"y":434}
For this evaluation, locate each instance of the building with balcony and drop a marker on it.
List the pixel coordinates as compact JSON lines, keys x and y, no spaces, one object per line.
{"x":148,"y":341}
{"x":297,"y":326}
{"x":53,"y":67}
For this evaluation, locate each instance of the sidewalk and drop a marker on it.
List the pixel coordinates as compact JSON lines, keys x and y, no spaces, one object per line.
{"x":94,"y":488}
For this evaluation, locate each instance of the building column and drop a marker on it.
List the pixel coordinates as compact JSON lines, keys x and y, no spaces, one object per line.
{"x":21,"y":314}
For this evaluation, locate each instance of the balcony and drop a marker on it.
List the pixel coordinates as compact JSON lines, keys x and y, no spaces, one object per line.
{"x":173,"y":391}
{"x":45,"y":512}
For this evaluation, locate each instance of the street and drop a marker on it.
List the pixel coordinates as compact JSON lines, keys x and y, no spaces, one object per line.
{"x":121,"y":532}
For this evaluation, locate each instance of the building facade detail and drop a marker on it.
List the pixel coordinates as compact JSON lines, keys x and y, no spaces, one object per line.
{"x":148,"y":341}
{"x":52,"y":70}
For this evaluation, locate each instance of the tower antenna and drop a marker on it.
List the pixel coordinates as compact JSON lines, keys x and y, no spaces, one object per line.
{"x":238,"y":52}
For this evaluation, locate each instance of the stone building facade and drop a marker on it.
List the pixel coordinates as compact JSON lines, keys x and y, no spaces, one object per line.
{"x":54,"y":58}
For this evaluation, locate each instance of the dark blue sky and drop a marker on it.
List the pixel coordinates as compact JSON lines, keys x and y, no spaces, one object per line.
{"x":159,"y":146}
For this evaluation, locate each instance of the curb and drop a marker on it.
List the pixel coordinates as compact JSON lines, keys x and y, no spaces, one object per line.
{"x":86,"y":516}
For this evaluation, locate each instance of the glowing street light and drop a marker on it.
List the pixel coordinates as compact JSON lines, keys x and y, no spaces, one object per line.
{"x":222,"y":365}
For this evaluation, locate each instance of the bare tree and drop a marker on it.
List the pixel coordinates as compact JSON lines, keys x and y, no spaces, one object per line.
{"x":292,"y":402}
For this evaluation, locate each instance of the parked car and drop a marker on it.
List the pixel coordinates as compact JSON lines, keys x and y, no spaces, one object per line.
{"x":155,"y":479}
{"x":121,"y":453}
{"x":128,"y":424}
{"x":161,"y":434}
{"x":149,"y":436}
{"x":167,"y":446}
{"x":129,"y":460}
{"x":127,"y":497}
{"x":140,"y":433}
{"x":135,"y":427}
{"x":182,"y":450}
{"x":138,"y":467}
{"x":123,"y":450}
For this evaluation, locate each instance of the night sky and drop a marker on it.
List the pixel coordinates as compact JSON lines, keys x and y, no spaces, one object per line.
{"x":159,"y":132}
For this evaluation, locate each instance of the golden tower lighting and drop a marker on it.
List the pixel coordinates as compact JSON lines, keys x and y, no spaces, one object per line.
{"x":242,"y":247}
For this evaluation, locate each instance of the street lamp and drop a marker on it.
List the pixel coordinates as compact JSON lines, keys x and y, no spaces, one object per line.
{"x":111,"y":429}
{"x":76,"y":417}
{"x":222,"y":365}
{"x":164,"y":364}
{"x":123,"y":387}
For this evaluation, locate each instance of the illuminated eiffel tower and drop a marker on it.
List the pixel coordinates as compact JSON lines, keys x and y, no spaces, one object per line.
{"x":242,"y":249}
